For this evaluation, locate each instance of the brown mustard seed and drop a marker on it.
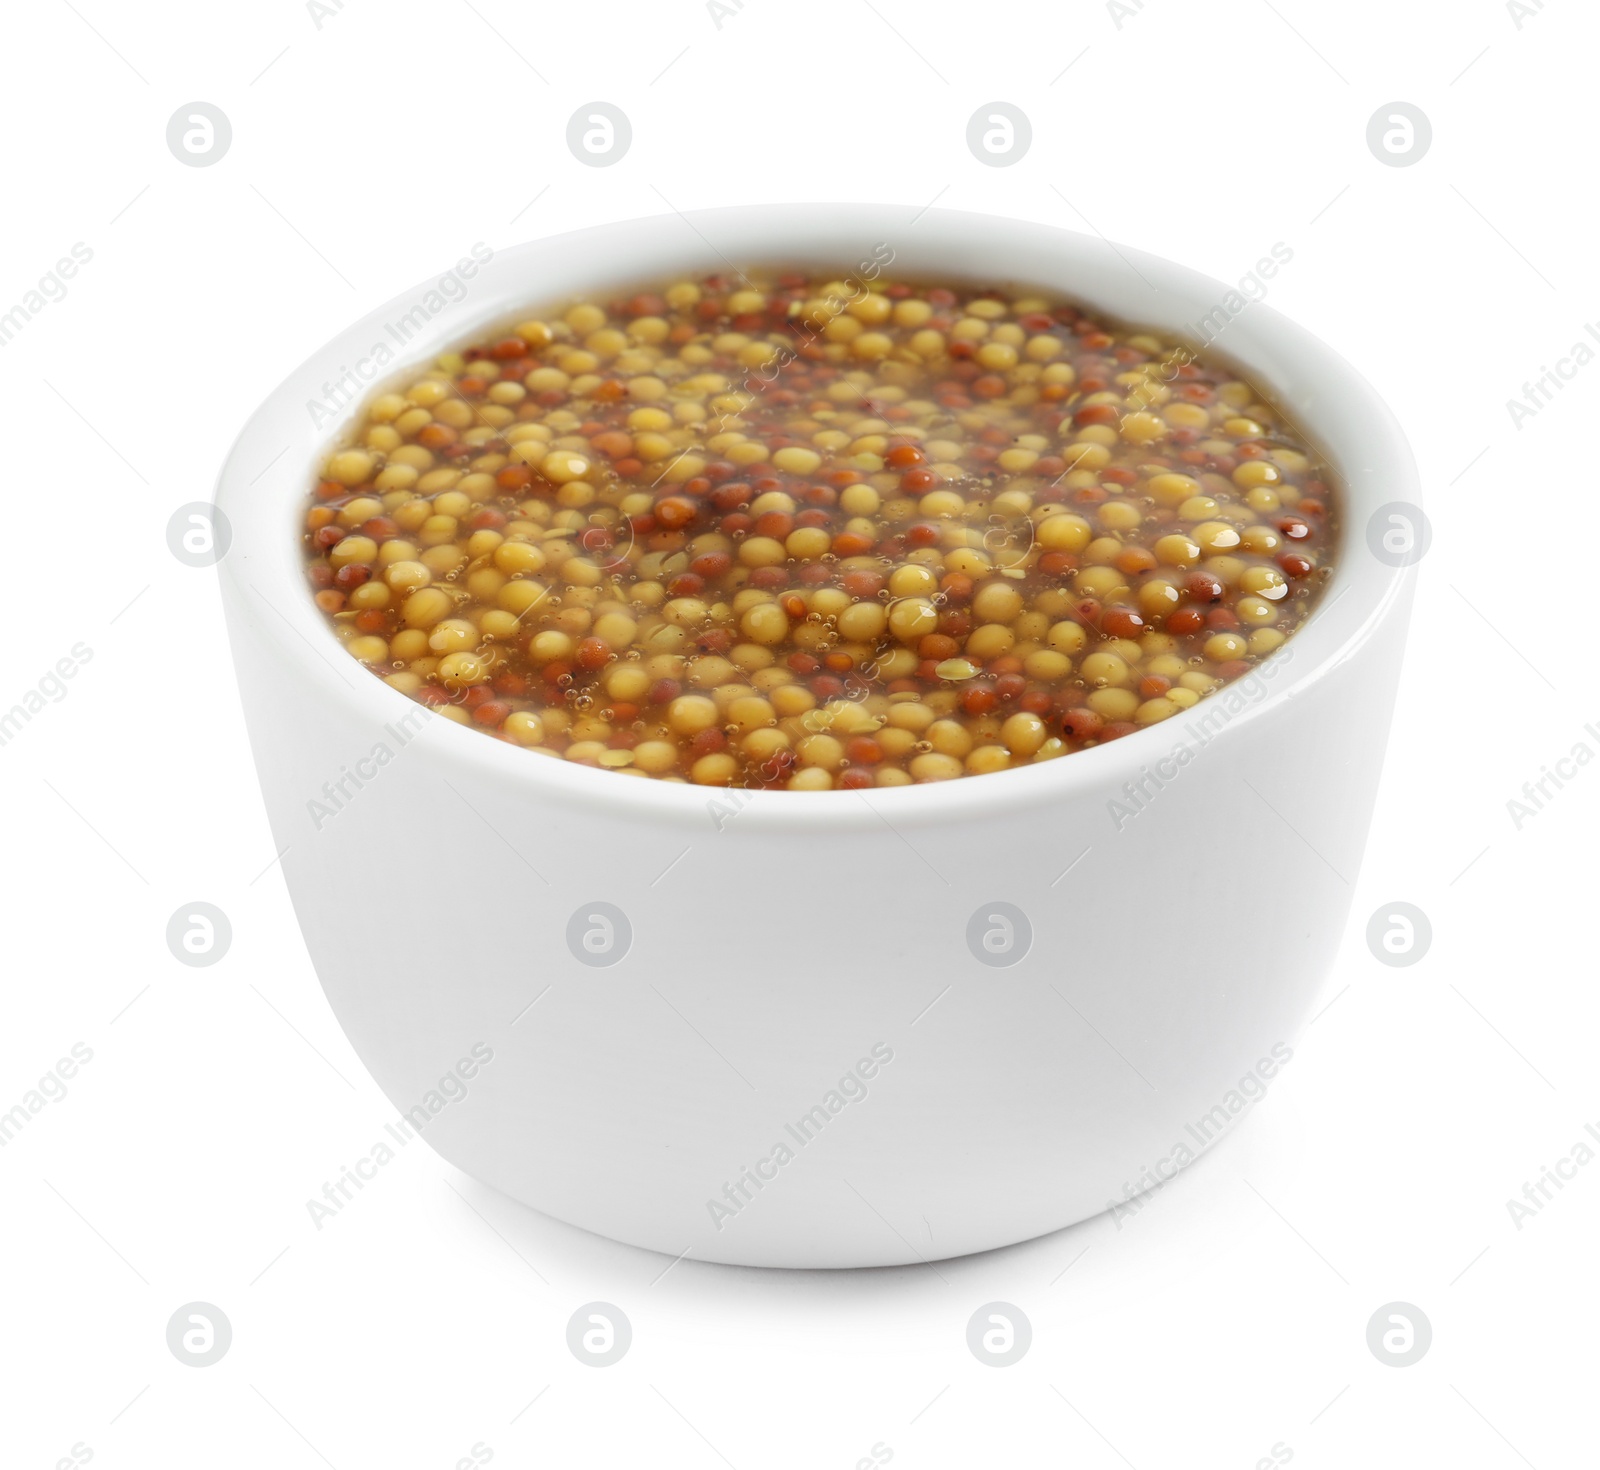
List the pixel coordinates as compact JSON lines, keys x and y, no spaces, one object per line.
{"x":805,"y":534}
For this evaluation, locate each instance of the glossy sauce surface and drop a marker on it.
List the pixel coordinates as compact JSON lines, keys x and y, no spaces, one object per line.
{"x":809,"y":534}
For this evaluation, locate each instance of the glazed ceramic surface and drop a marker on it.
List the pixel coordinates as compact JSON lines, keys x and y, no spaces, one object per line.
{"x":809,"y":1029}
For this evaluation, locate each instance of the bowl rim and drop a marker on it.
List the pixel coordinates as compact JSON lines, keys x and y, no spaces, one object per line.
{"x":266,"y":476}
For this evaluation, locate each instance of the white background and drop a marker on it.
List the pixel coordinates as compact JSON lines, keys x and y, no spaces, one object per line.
{"x":1229,"y":1315}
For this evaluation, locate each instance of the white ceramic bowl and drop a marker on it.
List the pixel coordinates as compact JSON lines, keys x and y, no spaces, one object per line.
{"x":792,"y":1055}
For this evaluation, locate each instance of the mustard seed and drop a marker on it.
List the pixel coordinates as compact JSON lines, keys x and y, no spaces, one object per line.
{"x":816,"y":534}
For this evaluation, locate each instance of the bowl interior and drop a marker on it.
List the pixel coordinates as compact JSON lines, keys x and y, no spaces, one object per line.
{"x":268,"y":474}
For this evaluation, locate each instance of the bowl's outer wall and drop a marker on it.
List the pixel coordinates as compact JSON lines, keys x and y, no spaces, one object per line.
{"x":1173,"y":954}
{"x":1165,"y":966}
